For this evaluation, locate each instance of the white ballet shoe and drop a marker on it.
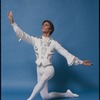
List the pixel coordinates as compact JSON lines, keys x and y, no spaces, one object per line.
{"x":70,"y":94}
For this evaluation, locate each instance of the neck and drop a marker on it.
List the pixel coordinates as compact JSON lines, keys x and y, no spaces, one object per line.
{"x":46,"y":35}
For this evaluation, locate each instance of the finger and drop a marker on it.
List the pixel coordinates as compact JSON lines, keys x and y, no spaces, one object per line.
{"x":11,"y":12}
{"x":90,"y":64}
{"x":87,"y":60}
{"x":8,"y":13}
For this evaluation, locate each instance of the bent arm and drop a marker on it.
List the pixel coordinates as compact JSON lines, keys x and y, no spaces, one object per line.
{"x":71,"y":59}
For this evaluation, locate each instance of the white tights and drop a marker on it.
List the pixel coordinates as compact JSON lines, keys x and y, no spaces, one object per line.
{"x":44,"y":74}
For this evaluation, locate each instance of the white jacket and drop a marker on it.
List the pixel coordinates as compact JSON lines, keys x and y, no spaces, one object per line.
{"x":44,"y":48}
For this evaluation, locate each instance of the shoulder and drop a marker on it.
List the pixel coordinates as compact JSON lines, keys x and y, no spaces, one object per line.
{"x":35,"y":37}
{"x":55,"y":42}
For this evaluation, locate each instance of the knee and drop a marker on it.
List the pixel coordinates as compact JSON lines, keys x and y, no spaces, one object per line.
{"x":44,"y":80}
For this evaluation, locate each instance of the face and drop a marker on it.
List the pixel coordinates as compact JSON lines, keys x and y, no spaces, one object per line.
{"x":46,"y":27}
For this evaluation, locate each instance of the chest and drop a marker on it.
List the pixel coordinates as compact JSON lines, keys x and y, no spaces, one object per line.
{"x":44,"y":46}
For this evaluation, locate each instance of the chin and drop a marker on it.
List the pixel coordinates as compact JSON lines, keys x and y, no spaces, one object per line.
{"x":44,"y":32}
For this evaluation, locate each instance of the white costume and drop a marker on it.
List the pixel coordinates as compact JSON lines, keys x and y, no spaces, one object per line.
{"x":44,"y":48}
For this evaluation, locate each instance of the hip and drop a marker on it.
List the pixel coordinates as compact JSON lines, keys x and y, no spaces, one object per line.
{"x":45,"y":70}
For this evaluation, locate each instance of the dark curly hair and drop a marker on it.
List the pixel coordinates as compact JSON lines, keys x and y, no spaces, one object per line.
{"x":51,"y":25}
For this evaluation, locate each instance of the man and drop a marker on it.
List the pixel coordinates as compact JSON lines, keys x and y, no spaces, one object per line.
{"x":44,"y":48}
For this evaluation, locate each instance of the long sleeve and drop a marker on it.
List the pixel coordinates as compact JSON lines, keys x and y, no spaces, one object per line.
{"x":22,"y":35}
{"x":71,"y":59}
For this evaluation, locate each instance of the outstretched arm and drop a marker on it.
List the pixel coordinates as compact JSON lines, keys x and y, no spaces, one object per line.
{"x":71,"y":59}
{"x":20,"y":34}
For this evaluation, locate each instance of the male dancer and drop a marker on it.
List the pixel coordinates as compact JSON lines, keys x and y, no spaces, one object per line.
{"x":44,"y":48}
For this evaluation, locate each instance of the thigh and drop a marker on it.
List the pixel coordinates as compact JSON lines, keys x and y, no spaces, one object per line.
{"x":38,"y":75}
{"x":49,"y":72}
{"x":45,"y":73}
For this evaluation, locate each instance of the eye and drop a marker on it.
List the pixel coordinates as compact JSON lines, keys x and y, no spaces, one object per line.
{"x":46,"y":24}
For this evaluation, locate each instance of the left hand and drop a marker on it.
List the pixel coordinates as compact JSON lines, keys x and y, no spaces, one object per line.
{"x":10,"y":17}
{"x":87,"y":63}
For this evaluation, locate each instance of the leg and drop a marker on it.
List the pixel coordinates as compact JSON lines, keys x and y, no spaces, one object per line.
{"x":45,"y":95}
{"x":38,"y":87}
{"x":42,"y":87}
{"x":66,"y":94}
{"x":47,"y":74}
{"x":44,"y":91}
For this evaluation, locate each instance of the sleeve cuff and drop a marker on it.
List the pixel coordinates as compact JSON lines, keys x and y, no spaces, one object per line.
{"x":81,"y":62}
{"x":14,"y":24}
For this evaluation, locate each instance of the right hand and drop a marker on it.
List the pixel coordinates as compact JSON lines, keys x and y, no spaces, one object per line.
{"x":87,"y":63}
{"x":10,"y":17}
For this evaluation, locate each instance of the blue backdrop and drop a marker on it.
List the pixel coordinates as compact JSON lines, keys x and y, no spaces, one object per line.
{"x":76,"y":29}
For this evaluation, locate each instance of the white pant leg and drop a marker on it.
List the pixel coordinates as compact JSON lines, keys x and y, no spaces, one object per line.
{"x":42,"y":86}
{"x":46,"y":74}
{"x":45,"y":95}
{"x":44,"y":92}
